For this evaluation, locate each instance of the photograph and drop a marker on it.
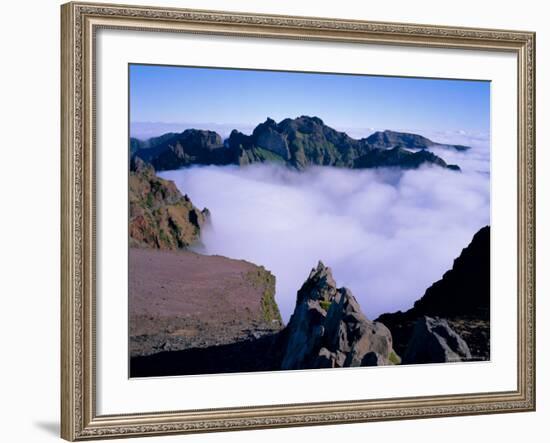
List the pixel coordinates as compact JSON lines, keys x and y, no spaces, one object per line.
{"x":282,"y":220}
{"x":284,"y":217}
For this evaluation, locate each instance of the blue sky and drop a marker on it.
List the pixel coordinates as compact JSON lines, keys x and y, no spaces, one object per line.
{"x":166,"y":94}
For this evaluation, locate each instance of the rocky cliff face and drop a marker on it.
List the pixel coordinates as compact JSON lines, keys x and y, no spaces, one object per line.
{"x":160,"y":216}
{"x":465,"y":289}
{"x":462,"y":297}
{"x":328,"y":329}
{"x":298,"y":143}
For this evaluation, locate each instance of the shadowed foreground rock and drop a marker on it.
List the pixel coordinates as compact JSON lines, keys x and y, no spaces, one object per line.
{"x":328,"y":329}
{"x":461,"y":296}
{"x":249,"y":355}
{"x":433,"y":341}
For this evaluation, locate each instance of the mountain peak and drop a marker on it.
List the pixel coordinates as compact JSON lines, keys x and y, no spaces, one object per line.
{"x":269,"y":122}
{"x":314,"y":119}
{"x":320,"y":284}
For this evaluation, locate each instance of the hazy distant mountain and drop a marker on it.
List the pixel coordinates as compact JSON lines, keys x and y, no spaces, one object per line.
{"x":192,"y":146}
{"x":136,"y":144}
{"x":392,"y":139}
{"x":298,"y":143}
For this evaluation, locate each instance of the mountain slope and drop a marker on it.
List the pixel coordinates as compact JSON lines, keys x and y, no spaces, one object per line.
{"x":326,"y":330}
{"x":180,"y":300}
{"x":160,"y":216}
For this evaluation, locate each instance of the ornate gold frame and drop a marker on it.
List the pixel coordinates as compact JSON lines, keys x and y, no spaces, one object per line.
{"x":79,"y":21}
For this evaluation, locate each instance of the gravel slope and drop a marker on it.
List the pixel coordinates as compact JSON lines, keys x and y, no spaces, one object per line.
{"x":180,"y":300}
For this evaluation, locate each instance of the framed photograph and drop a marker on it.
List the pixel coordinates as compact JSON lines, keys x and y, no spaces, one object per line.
{"x":282,"y":221}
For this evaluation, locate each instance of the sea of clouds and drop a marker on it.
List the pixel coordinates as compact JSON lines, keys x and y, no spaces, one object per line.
{"x":387,"y":234}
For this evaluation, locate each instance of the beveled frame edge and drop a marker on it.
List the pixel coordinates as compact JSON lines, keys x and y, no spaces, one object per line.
{"x":78,"y":23}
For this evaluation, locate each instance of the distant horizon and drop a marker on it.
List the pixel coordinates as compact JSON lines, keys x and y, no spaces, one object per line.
{"x":147,"y":130}
{"x":183,"y":97}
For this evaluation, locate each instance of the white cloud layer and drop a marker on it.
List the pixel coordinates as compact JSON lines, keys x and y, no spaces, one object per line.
{"x":386,"y":234}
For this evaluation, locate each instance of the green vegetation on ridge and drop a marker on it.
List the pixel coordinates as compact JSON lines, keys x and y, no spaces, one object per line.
{"x":297,"y":143}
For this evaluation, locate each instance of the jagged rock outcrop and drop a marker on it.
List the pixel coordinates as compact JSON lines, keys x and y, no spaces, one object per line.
{"x":462,"y":297}
{"x":297,"y":143}
{"x":434,"y":341}
{"x":328,"y":329}
{"x":160,"y":216}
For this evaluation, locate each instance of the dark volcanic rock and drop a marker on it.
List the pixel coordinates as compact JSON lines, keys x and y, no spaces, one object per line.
{"x":462,"y":296}
{"x":297,"y":143}
{"x":433,"y":341}
{"x":465,"y":289}
{"x":328,"y":329}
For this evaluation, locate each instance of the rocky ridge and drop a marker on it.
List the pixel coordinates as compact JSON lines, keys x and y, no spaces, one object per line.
{"x":297,"y":143}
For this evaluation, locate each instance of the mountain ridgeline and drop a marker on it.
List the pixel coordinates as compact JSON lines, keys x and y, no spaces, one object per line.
{"x":297,"y":143}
